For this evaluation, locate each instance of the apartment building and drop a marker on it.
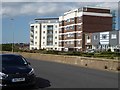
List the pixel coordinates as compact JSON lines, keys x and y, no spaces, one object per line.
{"x":44,"y":34}
{"x":106,"y":40}
{"x":76,"y":27}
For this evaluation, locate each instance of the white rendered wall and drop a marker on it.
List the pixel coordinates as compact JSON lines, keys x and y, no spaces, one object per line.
{"x":36,"y":34}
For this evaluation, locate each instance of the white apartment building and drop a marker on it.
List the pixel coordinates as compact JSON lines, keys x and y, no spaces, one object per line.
{"x":44,"y":34}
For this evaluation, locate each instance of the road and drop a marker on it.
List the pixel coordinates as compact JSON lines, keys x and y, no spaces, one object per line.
{"x":56,"y":75}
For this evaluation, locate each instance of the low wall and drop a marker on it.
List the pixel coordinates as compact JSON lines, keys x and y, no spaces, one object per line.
{"x":95,"y":63}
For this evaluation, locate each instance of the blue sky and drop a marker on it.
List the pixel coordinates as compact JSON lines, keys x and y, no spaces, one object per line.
{"x":23,"y":13}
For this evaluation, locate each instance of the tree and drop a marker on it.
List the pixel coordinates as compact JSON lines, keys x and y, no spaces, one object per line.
{"x":6,"y":47}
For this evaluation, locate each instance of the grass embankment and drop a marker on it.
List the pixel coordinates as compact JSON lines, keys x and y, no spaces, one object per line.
{"x":105,"y":54}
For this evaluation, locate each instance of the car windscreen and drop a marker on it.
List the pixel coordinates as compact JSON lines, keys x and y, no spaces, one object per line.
{"x":13,"y":60}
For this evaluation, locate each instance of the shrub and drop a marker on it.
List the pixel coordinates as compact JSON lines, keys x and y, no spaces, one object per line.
{"x":73,"y":53}
{"x":109,"y":50}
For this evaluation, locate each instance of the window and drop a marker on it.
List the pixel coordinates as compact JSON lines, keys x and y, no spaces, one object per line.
{"x":113,"y":36}
{"x":72,"y":19}
{"x":50,"y":27}
{"x":55,"y":31}
{"x":35,"y":42}
{"x":78,"y":42}
{"x":60,"y":36}
{"x":43,"y":37}
{"x":78,"y":34}
{"x":43,"y":26}
{"x":79,"y":26}
{"x":60,"y":43}
{"x":60,"y":29}
{"x":68,"y":20}
{"x":88,"y":37}
{"x":32,"y":27}
{"x":60,"y":22}
{"x":80,"y":18}
{"x":55,"y":37}
{"x":55,"y":26}
{"x":71,"y":35}
{"x":55,"y":42}
{"x":36,"y":26}
{"x":13,"y":60}
{"x":35,"y":37}
{"x":43,"y":42}
{"x":72,"y":42}
{"x":95,"y":37}
{"x":36,"y":32}
{"x":67,"y":28}
{"x":104,"y":36}
{"x":72,"y":27}
{"x":43,"y":31}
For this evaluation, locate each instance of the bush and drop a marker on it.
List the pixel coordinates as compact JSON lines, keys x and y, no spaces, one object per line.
{"x":73,"y":53}
{"x":109,"y":50}
{"x":6,"y":47}
{"x":50,"y":52}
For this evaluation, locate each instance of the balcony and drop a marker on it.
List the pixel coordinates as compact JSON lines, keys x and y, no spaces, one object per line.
{"x":50,"y":39}
{"x":50,"y":27}
{"x":31,"y":42}
{"x":31,"y":35}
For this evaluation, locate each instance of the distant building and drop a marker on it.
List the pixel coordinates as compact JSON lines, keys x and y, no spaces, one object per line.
{"x":106,"y":40}
{"x":44,"y":34}
{"x":76,"y":27}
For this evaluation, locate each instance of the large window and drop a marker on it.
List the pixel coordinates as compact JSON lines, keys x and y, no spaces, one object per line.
{"x":72,"y":19}
{"x":50,"y":27}
{"x":60,"y":22}
{"x":70,"y":35}
{"x":12,"y":60}
{"x":95,"y":37}
{"x":50,"y":35}
{"x":113,"y":36}
{"x":60,"y":29}
{"x":68,"y":20}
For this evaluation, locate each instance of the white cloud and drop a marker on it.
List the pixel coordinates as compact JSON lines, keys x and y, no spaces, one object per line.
{"x":111,"y":5}
{"x":47,"y":8}
{"x":60,"y":0}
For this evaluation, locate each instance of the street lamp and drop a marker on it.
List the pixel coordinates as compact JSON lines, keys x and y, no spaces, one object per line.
{"x":11,"y":19}
{"x":12,"y":35}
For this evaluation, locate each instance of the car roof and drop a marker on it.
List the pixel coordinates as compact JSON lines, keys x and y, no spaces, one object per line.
{"x":10,"y":54}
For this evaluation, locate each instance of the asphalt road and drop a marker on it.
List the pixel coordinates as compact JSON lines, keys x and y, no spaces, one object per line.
{"x":56,"y":75}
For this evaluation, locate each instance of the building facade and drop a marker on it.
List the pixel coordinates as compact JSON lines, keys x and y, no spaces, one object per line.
{"x":106,"y":40}
{"x":44,"y":34}
{"x":76,"y":27}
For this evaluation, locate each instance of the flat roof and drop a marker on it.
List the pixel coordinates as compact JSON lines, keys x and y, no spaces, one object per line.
{"x":46,"y":18}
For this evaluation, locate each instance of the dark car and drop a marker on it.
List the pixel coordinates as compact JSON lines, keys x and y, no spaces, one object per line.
{"x":16,"y":71}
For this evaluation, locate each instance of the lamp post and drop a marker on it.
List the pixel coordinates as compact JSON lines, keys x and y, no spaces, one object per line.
{"x":12,"y":35}
{"x":11,"y":19}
